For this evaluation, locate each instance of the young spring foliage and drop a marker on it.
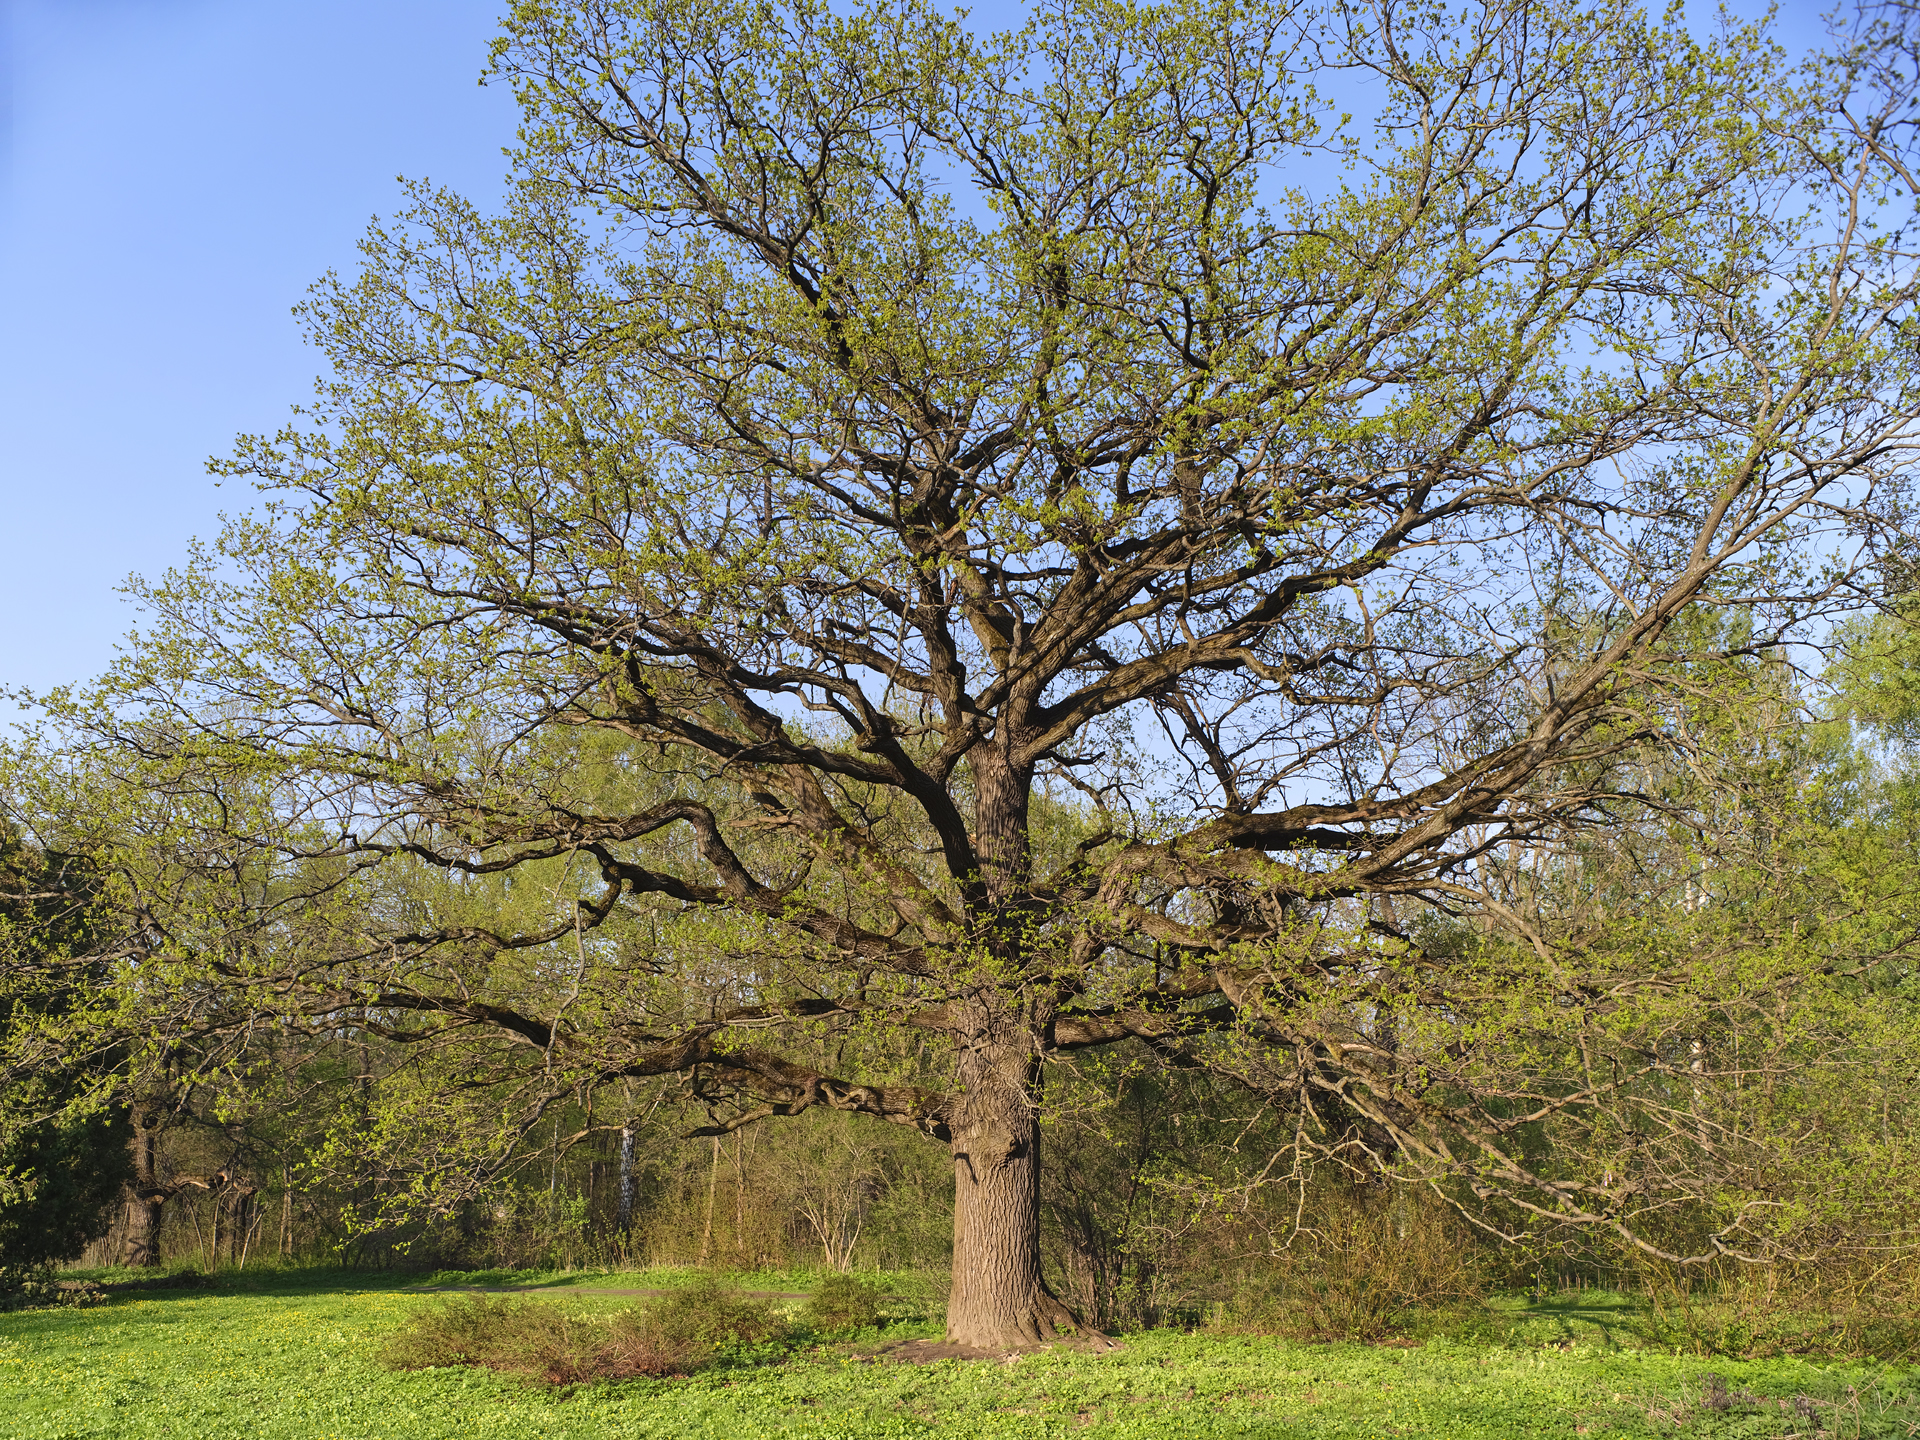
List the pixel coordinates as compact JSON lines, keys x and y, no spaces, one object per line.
{"x":1027,"y":543}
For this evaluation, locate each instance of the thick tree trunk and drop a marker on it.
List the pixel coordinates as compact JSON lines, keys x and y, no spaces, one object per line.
{"x":998,"y":1300}
{"x":146,"y":1199}
{"x":142,"y":1244}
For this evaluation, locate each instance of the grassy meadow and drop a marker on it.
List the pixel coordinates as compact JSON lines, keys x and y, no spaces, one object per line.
{"x":295,"y":1356}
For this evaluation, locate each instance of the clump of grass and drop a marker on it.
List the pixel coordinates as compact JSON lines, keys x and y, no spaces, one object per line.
{"x":547,"y":1344}
{"x":841,"y":1302}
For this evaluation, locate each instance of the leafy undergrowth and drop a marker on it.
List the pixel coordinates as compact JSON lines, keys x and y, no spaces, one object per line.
{"x":299,"y":1360}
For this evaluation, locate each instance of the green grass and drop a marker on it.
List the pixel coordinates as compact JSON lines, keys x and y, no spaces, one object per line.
{"x":294,"y":1358}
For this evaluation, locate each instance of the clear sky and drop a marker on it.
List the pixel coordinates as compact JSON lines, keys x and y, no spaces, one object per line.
{"x":176,"y":173}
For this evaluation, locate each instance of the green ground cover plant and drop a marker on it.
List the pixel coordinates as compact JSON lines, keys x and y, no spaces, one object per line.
{"x":296,"y":1356}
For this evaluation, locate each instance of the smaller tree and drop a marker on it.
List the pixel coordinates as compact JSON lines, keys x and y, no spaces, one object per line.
{"x":63,"y":1152}
{"x":59,"y":1180}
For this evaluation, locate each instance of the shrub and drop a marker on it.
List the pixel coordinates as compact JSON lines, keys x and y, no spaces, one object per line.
{"x":34,"y":1287}
{"x":1367,"y":1265}
{"x":843,"y":1303}
{"x":539,"y":1341}
{"x":708,"y":1314}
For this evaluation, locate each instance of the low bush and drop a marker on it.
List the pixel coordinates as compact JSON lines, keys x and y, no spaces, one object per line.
{"x":34,"y":1287}
{"x":538,"y":1341}
{"x":543,"y":1342}
{"x":1368,"y":1266}
{"x":841,"y":1302}
{"x":708,"y":1314}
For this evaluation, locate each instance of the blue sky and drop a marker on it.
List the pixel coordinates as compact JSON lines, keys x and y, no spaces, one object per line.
{"x":176,"y":173}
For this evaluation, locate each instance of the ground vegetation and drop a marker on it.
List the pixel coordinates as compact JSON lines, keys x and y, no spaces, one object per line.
{"x":297,"y":1358}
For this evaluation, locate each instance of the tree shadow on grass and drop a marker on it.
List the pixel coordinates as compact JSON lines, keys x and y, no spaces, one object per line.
{"x":1590,"y":1317}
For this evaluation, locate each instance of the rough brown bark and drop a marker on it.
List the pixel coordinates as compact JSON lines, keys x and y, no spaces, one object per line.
{"x":142,"y":1244}
{"x":145,"y":1200}
{"x":1001,"y":830}
{"x":998,"y":1299}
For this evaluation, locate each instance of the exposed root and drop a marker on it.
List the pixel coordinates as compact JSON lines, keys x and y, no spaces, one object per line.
{"x":1060,"y":1327}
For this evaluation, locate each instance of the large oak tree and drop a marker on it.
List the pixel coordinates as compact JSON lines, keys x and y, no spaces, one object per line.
{"x":1071,"y":538}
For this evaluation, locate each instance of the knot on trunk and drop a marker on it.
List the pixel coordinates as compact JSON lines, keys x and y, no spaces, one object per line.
{"x":989,"y":1148}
